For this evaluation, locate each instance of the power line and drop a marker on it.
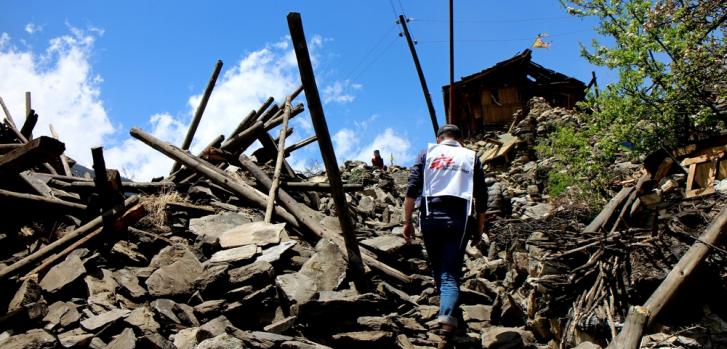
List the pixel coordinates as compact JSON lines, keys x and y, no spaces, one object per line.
{"x":502,"y":40}
{"x":371,"y":50}
{"x":513,"y":20}
{"x":376,"y":58}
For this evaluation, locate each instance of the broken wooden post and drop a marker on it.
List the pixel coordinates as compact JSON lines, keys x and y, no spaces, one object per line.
{"x":29,"y":125}
{"x":315,"y":108}
{"x":64,"y":161}
{"x":278,"y":119}
{"x":246,"y":122}
{"x":633,"y":329}
{"x":31,"y":154}
{"x":80,"y":231}
{"x":101,"y":180}
{"x":200,"y":110}
{"x":677,"y":276}
{"x":278,"y":163}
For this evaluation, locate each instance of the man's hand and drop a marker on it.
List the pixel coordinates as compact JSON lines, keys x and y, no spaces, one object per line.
{"x":408,"y":232}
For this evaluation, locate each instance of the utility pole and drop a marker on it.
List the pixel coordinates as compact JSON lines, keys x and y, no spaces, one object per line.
{"x":425,"y":89}
{"x":451,"y":62}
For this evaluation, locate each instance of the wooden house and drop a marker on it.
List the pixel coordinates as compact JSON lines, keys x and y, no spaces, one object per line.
{"x":492,"y":96}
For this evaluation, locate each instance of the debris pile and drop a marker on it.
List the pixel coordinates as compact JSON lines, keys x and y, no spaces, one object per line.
{"x":191,"y":260}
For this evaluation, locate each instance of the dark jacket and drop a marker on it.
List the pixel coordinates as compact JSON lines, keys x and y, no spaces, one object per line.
{"x":446,"y":206}
{"x":498,"y":199}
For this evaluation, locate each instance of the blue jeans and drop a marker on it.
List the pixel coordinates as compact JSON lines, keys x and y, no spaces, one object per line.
{"x":445,"y":241}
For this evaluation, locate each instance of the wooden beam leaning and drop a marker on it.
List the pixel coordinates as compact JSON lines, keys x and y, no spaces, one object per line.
{"x":278,"y":163}
{"x":319,"y":187}
{"x":200,"y":110}
{"x":29,"y":155}
{"x":605,"y":215}
{"x":313,"y":225}
{"x":8,"y":116}
{"x":677,"y":276}
{"x":315,"y":108}
{"x":64,"y":161}
{"x":300,"y":144}
{"x":214,"y":174}
{"x":80,"y":231}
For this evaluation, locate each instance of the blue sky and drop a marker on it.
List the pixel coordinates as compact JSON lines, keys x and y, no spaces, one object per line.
{"x":96,"y":69}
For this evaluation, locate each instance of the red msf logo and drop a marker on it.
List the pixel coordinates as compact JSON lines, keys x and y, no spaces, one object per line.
{"x":441,"y":162}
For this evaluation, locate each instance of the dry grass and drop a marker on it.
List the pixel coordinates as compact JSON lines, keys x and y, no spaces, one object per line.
{"x":156,"y":206}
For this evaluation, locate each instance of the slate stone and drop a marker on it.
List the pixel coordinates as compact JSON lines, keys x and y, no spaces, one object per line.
{"x":96,"y":322}
{"x":217,"y":325}
{"x":129,"y":283}
{"x":364,"y":339}
{"x":176,"y":278}
{"x":366,"y":205}
{"x":185,"y":313}
{"x":273,"y":254}
{"x":188,"y":338}
{"x":76,"y":338}
{"x":33,"y":339}
{"x":506,"y":338}
{"x":375,"y":323}
{"x":165,"y":310}
{"x":106,"y":283}
{"x":252,"y":274}
{"x":155,"y":341}
{"x":223,"y":341}
{"x":55,"y":312}
{"x":477,"y":312}
{"x":214,"y":274}
{"x":209,"y":307}
{"x":327,"y":267}
{"x":125,"y":340}
{"x":212,"y":226}
{"x":385,"y":243}
{"x":62,"y":274}
{"x":258,"y":233}
{"x":29,"y":292}
{"x":143,"y":319}
{"x":296,"y":288}
{"x":129,"y":253}
{"x":236,"y":254}
{"x":281,"y":325}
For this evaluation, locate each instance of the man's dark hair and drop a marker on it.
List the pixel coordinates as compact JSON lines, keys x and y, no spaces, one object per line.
{"x":450,"y":131}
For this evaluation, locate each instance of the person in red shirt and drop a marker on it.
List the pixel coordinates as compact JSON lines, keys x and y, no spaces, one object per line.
{"x":377,"y":161}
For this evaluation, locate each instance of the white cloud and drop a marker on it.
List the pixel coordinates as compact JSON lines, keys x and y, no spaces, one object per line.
{"x":364,"y":124}
{"x":340,"y":92}
{"x":65,"y":91}
{"x":348,"y":146}
{"x":32,"y":28}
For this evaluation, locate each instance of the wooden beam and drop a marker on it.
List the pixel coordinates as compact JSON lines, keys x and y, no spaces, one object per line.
{"x":131,"y":216}
{"x":81,"y":231}
{"x":605,"y":215}
{"x":64,"y":160}
{"x":300,"y":144}
{"x":315,"y":108}
{"x":200,"y":110}
{"x":677,"y":276}
{"x":633,"y":329}
{"x":31,"y":154}
{"x":8,"y":116}
{"x":215,"y":175}
{"x":12,"y":199}
{"x":278,"y":163}
{"x":319,"y":187}
{"x":29,"y":125}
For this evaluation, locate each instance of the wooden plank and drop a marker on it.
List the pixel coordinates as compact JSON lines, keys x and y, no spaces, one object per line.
{"x":299,"y":145}
{"x":278,"y":164}
{"x":507,"y":142}
{"x":31,"y":154}
{"x":13,"y":199}
{"x":64,"y":160}
{"x":30,"y":121}
{"x":607,"y":212}
{"x":319,"y":187}
{"x":8,"y":116}
{"x":315,"y":108}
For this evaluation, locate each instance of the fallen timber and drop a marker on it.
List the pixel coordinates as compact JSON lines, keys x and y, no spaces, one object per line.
{"x":638,"y":318}
{"x":292,"y":213}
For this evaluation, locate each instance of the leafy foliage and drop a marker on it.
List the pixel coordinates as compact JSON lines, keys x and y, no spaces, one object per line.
{"x":671,"y":60}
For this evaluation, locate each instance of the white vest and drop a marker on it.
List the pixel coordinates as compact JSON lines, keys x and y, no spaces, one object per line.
{"x":449,"y":171}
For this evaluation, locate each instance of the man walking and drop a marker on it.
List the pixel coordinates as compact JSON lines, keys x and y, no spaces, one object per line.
{"x":445,"y":183}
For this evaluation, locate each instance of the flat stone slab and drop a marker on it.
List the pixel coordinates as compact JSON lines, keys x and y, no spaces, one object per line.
{"x":385,"y":243}
{"x":213,"y":226}
{"x":272,"y":254}
{"x":125,"y":340}
{"x":258,"y":233}
{"x":327,"y":267}
{"x":234,"y":254}
{"x":63,"y":274}
{"x":176,"y":278}
{"x":95,"y":322}
{"x":297,"y":288}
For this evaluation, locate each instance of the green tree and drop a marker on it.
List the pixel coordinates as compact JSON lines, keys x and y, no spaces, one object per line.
{"x":671,"y":61}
